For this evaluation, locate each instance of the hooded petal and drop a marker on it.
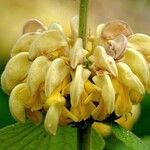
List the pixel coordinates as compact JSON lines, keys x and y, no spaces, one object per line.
{"x":76,"y":53}
{"x":49,"y":41}
{"x":33,"y":25}
{"x":108,"y":92}
{"x":53,"y":115}
{"x":137,"y":63}
{"x":15,"y":71}
{"x":128,"y":78}
{"x":99,"y":30}
{"x":24,"y":42}
{"x":104,"y":61}
{"x":37,"y":73}
{"x":16,"y":106}
{"x":57,"y":72}
{"x":115,"y":28}
{"x":140,"y":42}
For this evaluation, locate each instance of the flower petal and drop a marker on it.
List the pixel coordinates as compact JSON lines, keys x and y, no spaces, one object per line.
{"x":74,"y":26}
{"x":52,"y":116}
{"x":16,"y":106}
{"x":138,"y":65}
{"x":115,"y":28}
{"x":108,"y":92}
{"x":37,"y":73}
{"x":104,"y":61}
{"x":76,"y":53}
{"x":24,"y":42}
{"x":33,"y":25}
{"x":140,"y":42}
{"x":49,"y":41}
{"x":128,"y":78}
{"x":57,"y":72}
{"x":15,"y":71}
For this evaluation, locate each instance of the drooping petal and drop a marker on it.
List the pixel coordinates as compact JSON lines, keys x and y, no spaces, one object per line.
{"x":24,"y":42}
{"x":123,"y":104}
{"x":77,"y":84}
{"x":33,"y":25}
{"x":108,"y":92}
{"x":56,"y":26}
{"x":16,"y":106}
{"x":52,"y":116}
{"x":76,"y":53}
{"x":137,"y":63}
{"x":135,"y":97}
{"x":140,"y":42}
{"x":57,"y":72}
{"x":104,"y":61}
{"x":128,"y":78}
{"x":37,"y":73}
{"x":15,"y":71}
{"x":115,"y":28}
{"x":49,"y":41}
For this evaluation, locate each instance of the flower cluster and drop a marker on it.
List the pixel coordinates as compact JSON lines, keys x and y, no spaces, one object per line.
{"x":50,"y":75}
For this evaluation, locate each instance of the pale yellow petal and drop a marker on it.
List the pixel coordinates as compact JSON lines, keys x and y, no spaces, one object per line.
{"x":123,"y":104}
{"x":74,"y":23}
{"x":140,"y":42}
{"x":137,"y":63}
{"x":24,"y":42}
{"x":37,"y":73}
{"x":47,"y":42}
{"x":16,"y":106}
{"x":56,"y":26}
{"x":108,"y":92}
{"x":77,"y":86}
{"x":15,"y":71}
{"x":104,"y":61}
{"x":128,"y":78}
{"x":76,"y":53}
{"x":99,"y":30}
{"x":57,"y":72}
{"x":52,"y":117}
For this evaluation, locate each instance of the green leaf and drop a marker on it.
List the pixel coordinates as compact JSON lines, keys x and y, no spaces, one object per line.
{"x":32,"y":137}
{"x":128,"y":138}
{"x":28,"y":136}
{"x":97,"y":140}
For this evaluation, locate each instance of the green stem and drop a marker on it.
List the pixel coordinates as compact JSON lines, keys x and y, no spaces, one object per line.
{"x":83,"y":20}
{"x":84,"y":138}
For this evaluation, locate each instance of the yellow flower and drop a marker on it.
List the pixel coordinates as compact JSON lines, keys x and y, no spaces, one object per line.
{"x":50,"y":76}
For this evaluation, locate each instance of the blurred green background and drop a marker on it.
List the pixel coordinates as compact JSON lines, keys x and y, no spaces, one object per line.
{"x":15,"y":13}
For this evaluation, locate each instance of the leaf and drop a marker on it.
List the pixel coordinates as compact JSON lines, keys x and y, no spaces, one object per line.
{"x":97,"y":140}
{"x":28,"y":136}
{"x":128,"y":138}
{"x":34,"y":137}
